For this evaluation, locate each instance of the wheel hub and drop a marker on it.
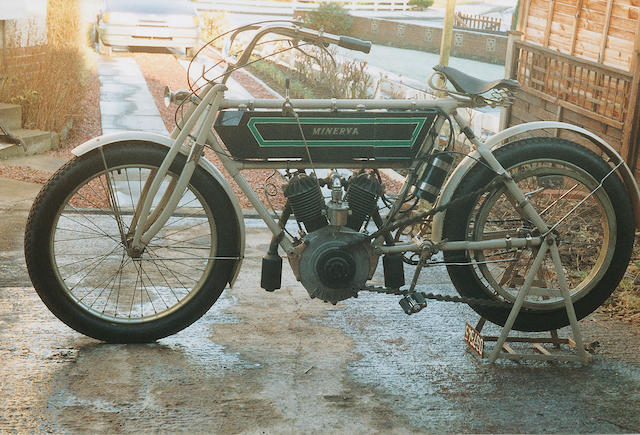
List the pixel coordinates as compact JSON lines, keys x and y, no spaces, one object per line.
{"x":134,"y":252}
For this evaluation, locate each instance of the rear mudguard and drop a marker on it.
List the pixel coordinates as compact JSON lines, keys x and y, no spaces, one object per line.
{"x":498,"y":139}
{"x":141,"y":136}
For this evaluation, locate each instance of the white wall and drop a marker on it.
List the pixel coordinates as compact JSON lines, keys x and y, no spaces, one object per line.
{"x":27,"y":21}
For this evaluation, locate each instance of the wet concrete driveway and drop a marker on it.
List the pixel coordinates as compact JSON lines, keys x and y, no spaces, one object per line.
{"x":284,"y":363}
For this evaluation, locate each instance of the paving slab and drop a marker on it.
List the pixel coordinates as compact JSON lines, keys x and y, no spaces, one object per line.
{"x":39,"y":162}
{"x":17,"y":195}
{"x":127,"y":108}
{"x":125,"y":100}
{"x":149,"y":123}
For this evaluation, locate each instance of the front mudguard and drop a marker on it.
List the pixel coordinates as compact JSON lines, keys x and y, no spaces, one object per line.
{"x":498,"y":139}
{"x":141,"y":136}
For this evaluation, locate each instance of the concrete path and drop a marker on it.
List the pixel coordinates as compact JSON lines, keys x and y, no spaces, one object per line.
{"x":125,"y":100}
{"x":39,"y":162}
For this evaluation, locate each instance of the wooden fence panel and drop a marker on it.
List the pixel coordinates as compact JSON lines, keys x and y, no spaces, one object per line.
{"x":478,"y":22}
{"x":589,"y":89}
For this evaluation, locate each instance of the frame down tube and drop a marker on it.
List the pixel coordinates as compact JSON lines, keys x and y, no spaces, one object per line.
{"x":205,"y":112}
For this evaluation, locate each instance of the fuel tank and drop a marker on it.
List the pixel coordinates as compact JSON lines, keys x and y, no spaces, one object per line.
{"x":330,"y":135}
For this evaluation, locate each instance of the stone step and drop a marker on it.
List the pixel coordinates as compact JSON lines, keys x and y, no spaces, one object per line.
{"x":11,"y":116}
{"x":37,"y":141}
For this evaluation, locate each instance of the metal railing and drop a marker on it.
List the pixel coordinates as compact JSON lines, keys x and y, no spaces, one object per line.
{"x":289,"y":7}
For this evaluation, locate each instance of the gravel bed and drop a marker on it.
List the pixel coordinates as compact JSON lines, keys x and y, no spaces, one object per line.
{"x":22,"y":173}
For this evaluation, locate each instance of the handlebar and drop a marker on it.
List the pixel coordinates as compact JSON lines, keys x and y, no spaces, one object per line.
{"x":295,"y":32}
{"x":354,"y":44}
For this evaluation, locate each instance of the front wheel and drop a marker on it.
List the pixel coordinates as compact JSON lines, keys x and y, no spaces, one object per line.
{"x":77,"y":256}
{"x":594,"y":224}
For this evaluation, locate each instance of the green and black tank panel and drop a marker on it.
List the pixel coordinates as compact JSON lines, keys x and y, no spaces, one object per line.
{"x":330,"y":136}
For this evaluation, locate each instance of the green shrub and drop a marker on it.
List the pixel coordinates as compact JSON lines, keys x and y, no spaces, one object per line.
{"x":331,"y":79}
{"x":331,"y":18}
{"x":276,"y":78}
{"x":421,"y":3}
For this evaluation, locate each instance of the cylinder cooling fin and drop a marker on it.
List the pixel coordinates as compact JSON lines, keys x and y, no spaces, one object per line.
{"x":305,"y":197}
{"x":362,"y":195}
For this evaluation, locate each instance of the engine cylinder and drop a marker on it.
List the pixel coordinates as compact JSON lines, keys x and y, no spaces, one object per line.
{"x":362,"y":196}
{"x":306,"y":201}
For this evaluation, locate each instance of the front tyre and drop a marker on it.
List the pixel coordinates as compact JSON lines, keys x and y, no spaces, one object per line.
{"x":75,"y":246}
{"x":594,"y":224}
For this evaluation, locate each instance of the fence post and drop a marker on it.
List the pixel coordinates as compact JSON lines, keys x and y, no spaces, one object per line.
{"x":630,"y":149}
{"x":510,"y":65}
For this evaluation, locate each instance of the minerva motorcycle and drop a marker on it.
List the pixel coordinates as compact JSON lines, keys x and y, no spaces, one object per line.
{"x":136,"y":237}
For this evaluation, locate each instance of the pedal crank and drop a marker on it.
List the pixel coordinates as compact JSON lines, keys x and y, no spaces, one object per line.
{"x":413,"y":302}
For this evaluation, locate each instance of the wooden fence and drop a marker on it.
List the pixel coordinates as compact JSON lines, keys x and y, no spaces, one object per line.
{"x":477,"y":22}
{"x":559,"y":87}
{"x":588,"y":88}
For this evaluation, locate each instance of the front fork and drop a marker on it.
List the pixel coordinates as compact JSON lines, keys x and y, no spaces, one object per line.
{"x":146,"y":224}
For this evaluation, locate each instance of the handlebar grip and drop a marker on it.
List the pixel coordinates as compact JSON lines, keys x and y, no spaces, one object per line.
{"x":354,"y":44}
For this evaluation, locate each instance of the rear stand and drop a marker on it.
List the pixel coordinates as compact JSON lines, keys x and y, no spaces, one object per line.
{"x":507,"y":352}
{"x":476,"y":341}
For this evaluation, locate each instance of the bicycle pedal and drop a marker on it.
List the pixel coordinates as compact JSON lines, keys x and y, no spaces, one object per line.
{"x":413,"y":302}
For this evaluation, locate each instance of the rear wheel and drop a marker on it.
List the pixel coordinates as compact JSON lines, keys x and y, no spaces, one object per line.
{"x":594,"y":225}
{"x":77,"y":256}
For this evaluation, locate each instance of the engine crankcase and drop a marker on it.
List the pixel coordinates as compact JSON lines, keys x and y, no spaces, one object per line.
{"x":332,"y":267}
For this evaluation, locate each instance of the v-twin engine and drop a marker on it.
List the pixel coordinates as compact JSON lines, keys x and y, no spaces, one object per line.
{"x":330,"y":262}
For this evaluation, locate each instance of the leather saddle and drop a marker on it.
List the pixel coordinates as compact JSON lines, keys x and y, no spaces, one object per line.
{"x":467,"y":84}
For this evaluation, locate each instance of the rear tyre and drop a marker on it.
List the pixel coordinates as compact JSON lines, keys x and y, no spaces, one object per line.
{"x":75,"y":247}
{"x":595,"y":227}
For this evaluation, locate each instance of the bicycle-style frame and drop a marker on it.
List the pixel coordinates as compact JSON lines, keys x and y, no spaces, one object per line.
{"x":199,"y":119}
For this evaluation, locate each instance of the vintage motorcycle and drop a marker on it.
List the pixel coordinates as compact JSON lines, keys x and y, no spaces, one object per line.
{"x":136,"y":237}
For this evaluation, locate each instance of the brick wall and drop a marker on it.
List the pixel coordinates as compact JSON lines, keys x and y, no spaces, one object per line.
{"x":22,"y":61}
{"x":485,"y":47}
{"x":25,"y":38}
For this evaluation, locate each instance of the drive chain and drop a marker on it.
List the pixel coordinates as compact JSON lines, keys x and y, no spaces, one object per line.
{"x":441,"y":297}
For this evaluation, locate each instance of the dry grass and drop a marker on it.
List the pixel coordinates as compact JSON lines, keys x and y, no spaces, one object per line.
{"x":214,"y":25}
{"x":50,"y":91}
{"x":624,"y":303}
